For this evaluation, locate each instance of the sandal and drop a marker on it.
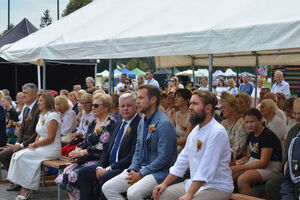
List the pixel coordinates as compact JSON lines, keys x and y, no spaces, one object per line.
{"x":28,"y":196}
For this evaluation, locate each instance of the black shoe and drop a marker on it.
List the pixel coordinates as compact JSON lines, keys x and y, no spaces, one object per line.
{"x":14,"y":187}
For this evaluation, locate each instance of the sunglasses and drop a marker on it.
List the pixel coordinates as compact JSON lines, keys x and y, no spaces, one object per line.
{"x":172,"y":80}
{"x":96,"y":105}
{"x":127,"y":83}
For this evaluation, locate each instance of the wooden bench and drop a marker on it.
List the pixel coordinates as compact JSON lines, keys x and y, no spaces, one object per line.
{"x":61,"y":163}
{"x":1,"y":149}
{"x":237,"y":196}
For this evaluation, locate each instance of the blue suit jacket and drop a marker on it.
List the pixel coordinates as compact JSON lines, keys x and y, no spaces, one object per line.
{"x":161,"y":151}
{"x":127,"y":146}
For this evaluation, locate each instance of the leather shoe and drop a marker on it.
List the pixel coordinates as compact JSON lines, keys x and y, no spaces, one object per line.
{"x":13,"y":187}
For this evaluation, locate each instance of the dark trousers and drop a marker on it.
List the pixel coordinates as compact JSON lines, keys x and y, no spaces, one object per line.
{"x":289,"y":190}
{"x":86,"y":178}
{"x":5,"y":157}
{"x":272,"y":187}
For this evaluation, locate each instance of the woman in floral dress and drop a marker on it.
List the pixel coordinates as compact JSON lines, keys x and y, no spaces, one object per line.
{"x":88,"y":152}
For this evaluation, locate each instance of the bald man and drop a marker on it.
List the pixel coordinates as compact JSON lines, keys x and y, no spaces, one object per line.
{"x":273,"y":186}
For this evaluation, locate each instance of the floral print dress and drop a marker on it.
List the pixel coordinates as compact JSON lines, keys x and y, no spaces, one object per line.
{"x":95,"y":142}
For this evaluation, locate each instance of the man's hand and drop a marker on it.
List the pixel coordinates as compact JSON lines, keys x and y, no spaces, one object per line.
{"x":100,"y":172}
{"x":158,"y":190}
{"x":133,"y":177}
{"x":186,"y":197}
{"x":17,"y":147}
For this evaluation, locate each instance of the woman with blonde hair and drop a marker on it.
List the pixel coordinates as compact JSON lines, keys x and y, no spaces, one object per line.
{"x":89,"y":151}
{"x":231,"y":87}
{"x":25,"y":165}
{"x":173,"y":86}
{"x":234,"y":125}
{"x":244,"y":101}
{"x":140,"y":81}
{"x":68,"y":118}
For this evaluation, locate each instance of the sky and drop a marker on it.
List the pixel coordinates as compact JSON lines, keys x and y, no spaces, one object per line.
{"x":30,"y":9}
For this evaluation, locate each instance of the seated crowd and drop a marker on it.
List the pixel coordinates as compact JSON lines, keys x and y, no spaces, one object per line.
{"x":142,"y":142}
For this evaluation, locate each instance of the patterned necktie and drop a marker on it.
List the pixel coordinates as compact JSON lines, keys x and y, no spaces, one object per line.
{"x":26,"y":112}
{"x":113,"y":154}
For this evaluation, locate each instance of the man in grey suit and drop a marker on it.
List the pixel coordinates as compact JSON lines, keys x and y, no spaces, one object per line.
{"x":27,"y":132}
{"x":155,"y":151}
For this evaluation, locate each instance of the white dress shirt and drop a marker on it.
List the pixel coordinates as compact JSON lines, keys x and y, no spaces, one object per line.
{"x":282,"y":87}
{"x":210,"y":163}
{"x":69,"y":122}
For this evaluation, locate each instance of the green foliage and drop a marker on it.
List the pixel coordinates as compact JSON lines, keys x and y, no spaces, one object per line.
{"x":74,"y":5}
{"x":136,"y":62}
{"x":46,"y":20}
{"x":6,"y":30}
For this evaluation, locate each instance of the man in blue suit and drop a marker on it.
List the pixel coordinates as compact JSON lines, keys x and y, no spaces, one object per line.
{"x":155,"y":151}
{"x":119,"y":153}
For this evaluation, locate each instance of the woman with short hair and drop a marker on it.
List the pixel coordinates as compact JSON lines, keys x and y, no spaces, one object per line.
{"x":89,"y":151}
{"x":25,"y":165}
{"x":244,"y":101}
{"x":234,"y":125}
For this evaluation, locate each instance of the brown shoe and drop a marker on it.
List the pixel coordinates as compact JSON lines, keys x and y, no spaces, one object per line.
{"x":13,"y":187}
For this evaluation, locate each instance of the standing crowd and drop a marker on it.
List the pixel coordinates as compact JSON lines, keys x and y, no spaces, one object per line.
{"x":142,"y":142}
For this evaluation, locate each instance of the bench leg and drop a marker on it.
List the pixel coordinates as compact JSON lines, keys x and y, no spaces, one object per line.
{"x":0,"y":171}
{"x":58,"y":188}
{"x":43,"y":175}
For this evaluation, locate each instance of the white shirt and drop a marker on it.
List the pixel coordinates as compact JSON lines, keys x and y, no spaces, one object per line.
{"x":152,"y":82}
{"x":180,"y":85}
{"x":203,"y":88}
{"x":86,"y":120}
{"x":281,"y":115}
{"x":219,"y":90}
{"x":119,"y":86}
{"x":69,"y":122}
{"x":283,"y":87}
{"x":258,"y":93}
{"x":277,"y":126}
{"x":210,"y":163}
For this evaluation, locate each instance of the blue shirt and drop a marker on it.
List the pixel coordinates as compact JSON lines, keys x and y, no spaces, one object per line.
{"x":152,"y":82}
{"x":247,"y":88}
{"x":146,"y":130}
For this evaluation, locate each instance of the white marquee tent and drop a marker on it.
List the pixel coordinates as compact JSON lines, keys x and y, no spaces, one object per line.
{"x":179,"y":33}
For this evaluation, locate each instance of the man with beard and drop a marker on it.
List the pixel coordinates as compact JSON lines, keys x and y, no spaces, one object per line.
{"x":206,"y":153}
{"x":155,"y":151}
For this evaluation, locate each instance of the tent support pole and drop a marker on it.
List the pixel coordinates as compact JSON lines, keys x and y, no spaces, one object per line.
{"x":110,"y":91}
{"x":95,"y":75}
{"x":44,"y":75}
{"x":16,"y":79}
{"x":210,"y":69}
{"x":39,"y":76}
{"x":256,"y":71}
{"x":194,"y":75}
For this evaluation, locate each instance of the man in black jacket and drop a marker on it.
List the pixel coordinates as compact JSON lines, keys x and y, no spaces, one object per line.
{"x":119,"y":153}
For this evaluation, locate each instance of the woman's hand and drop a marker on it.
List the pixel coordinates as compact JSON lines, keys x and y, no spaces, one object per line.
{"x":75,"y":154}
{"x":240,"y":162}
{"x":32,"y":147}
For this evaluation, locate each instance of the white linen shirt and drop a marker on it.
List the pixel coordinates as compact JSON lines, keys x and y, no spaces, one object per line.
{"x":69,"y":122}
{"x":283,"y":87}
{"x":210,"y":163}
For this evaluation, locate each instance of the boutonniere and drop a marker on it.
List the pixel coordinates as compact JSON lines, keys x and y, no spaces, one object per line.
{"x":98,"y":130}
{"x":87,"y":122}
{"x":152,"y":128}
{"x":7,"y":114}
{"x":43,"y":121}
{"x":183,"y":128}
{"x":28,"y":118}
{"x":128,"y":130}
{"x":199,"y":144}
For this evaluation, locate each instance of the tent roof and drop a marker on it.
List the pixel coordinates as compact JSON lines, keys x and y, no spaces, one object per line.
{"x":21,"y":30}
{"x":163,"y":71}
{"x":137,"y":71}
{"x":128,"y":72}
{"x":235,"y":31}
{"x":229,"y":72}
{"x":218,"y":73}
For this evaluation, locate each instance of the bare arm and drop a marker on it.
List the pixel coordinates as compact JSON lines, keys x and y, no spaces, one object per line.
{"x":182,"y":141}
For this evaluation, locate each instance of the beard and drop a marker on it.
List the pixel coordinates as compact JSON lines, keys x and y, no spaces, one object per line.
{"x":197,"y":118}
{"x":144,"y":109}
